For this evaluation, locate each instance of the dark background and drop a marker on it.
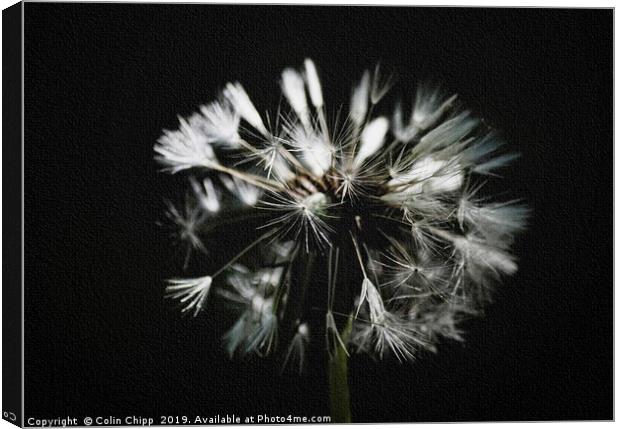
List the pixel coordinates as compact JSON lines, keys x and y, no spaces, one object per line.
{"x":101,"y":82}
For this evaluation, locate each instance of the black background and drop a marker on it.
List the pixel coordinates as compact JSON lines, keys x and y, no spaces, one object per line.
{"x":101,"y":82}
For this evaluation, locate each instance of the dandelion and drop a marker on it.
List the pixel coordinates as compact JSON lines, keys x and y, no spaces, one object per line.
{"x":382,"y":220}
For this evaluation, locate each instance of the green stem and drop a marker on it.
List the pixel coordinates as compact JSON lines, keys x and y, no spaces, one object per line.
{"x":340,"y":401}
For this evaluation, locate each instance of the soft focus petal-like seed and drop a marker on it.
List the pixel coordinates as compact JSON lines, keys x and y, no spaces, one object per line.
{"x":219,"y":122}
{"x":312,"y":150}
{"x":244,"y":106}
{"x":184,"y":148}
{"x":359,"y":100}
{"x":247,"y":193}
{"x":295,"y":92}
{"x":314,"y":84}
{"x":207,"y":195}
{"x":429,"y":175}
{"x":371,"y":140}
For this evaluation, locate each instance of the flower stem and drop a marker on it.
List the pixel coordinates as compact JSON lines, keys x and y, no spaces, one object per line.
{"x":339,"y":380}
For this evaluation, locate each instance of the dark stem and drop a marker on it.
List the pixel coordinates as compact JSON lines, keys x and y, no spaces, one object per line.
{"x":340,"y":401}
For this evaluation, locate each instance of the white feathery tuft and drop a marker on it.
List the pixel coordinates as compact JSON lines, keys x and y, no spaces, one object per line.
{"x":207,"y":194}
{"x":428,"y":246}
{"x":247,"y":193}
{"x":184,"y":148}
{"x":314,"y":152}
{"x":240,"y":100}
{"x":191,"y":293}
{"x":429,"y":175}
{"x":219,"y":122}
{"x":359,"y":100}
{"x":479,"y":257}
{"x":295,"y":92}
{"x":314,"y":84}
{"x":371,"y":140}
{"x":298,"y":347}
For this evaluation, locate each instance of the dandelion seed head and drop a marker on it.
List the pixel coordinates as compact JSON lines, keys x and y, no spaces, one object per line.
{"x":385,"y":216}
{"x":240,"y":100}
{"x":359,"y":100}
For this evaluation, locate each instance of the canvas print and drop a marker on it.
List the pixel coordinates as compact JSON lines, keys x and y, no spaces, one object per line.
{"x":246,"y":214}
